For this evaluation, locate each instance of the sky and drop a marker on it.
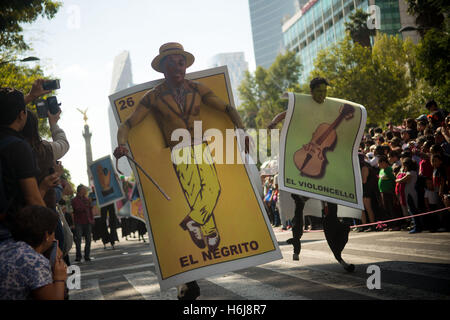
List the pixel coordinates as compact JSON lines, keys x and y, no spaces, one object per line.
{"x":79,"y":45}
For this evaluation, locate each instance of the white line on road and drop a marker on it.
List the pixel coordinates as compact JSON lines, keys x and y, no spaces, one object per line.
{"x":252,"y":289}
{"x":90,"y":290}
{"x":342,"y":281}
{"x":146,"y":283}
{"x":101,"y":272}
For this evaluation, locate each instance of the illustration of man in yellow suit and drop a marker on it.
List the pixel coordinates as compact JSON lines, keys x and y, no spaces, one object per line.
{"x":176,"y":105}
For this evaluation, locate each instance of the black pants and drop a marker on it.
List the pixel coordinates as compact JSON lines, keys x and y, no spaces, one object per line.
{"x":297,"y":221}
{"x":388,"y":206}
{"x":418,"y":221}
{"x":83,"y":230}
{"x":112,"y":221}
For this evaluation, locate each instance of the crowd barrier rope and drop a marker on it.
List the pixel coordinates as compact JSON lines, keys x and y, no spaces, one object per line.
{"x":383,"y":224}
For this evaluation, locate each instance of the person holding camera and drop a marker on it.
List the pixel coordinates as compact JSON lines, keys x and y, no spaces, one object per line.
{"x":47,"y":152}
{"x":18,"y":166}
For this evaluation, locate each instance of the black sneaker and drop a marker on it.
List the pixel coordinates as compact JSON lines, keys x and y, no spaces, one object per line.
{"x":87,"y":259}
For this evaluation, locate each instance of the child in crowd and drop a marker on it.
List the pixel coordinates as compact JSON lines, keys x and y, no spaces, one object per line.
{"x":273,"y":204}
{"x":409,"y":181}
{"x":432,"y":203}
{"x":25,"y":273}
{"x":386,"y":186}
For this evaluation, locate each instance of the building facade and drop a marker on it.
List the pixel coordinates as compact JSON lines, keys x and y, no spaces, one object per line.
{"x":235,"y":61}
{"x":266,"y":18}
{"x":321,"y":23}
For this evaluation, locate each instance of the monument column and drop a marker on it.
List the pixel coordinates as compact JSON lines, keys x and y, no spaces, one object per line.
{"x":87,"y":139}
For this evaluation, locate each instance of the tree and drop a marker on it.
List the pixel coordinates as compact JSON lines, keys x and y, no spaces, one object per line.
{"x":261,"y":92}
{"x":21,"y":78}
{"x":429,"y":13}
{"x":433,"y":63}
{"x":433,"y":22}
{"x":15,"y":12}
{"x":357,"y":28}
{"x":380,"y":79}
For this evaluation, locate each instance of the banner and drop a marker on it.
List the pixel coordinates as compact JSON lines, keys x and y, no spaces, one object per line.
{"x":319,"y":150}
{"x":237,"y":213}
{"x":131,"y":205}
{"x":107,"y":187}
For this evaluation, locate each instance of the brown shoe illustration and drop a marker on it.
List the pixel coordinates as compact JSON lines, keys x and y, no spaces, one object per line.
{"x":213,"y":241}
{"x":194,"y":231}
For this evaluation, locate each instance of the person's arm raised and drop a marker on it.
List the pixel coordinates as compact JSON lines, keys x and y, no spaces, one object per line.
{"x":31,"y":192}
{"x":279,"y":117}
{"x":36,"y":91}
{"x":122,"y":134}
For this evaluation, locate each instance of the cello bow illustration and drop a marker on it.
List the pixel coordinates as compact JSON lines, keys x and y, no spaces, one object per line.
{"x":145,"y":173}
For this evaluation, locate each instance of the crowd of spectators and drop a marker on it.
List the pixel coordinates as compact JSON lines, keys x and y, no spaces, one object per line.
{"x":405,"y":171}
{"x":34,"y":235}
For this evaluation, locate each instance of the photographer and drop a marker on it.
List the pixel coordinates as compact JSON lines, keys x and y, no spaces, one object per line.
{"x":47,"y":153}
{"x":18,"y":165}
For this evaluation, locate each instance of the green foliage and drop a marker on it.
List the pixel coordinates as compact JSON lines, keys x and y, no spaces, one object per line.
{"x":380,"y":79}
{"x":357,"y":28}
{"x":22,"y":77}
{"x":433,"y":62}
{"x":261,"y":92}
{"x":13,"y":13}
{"x":429,"y":13}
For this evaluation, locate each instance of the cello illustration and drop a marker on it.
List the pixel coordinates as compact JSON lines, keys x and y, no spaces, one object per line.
{"x":310,"y":159}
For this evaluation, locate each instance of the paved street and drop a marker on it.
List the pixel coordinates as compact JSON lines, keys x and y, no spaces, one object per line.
{"x":411,"y":267}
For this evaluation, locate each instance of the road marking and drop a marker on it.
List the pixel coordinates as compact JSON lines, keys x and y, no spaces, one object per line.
{"x":90,"y":290}
{"x":146,"y":283}
{"x":102,"y":272}
{"x":412,"y":252}
{"x":427,"y":241}
{"x":430,"y":271}
{"x":342,"y":281}
{"x":251,"y":289}
{"x":118,"y":255}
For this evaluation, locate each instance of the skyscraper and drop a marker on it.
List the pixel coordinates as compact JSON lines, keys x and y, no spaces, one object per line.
{"x":266,"y":19}
{"x":122,"y":78}
{"x":235,"y":61}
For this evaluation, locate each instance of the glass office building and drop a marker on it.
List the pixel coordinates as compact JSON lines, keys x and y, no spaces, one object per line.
{"x":266,"y":18}
{"x":320,"y":24}
{"x":235,"y":61}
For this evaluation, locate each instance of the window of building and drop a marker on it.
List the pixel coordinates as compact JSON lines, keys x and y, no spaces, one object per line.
{"x":337,"y":5}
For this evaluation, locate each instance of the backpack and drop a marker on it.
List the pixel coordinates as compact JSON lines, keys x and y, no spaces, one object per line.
{"x":4,"y":201}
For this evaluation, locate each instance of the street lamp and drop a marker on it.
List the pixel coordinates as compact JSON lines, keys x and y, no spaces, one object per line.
{"x":410,"y":28}
{"x":27,"y":59}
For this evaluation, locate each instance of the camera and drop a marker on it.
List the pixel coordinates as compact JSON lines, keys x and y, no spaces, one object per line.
{"x":51,"y":85}
{"x":50,"y":104}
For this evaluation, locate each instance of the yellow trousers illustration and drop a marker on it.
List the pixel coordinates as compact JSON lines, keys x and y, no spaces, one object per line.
{"x":197,"y":174}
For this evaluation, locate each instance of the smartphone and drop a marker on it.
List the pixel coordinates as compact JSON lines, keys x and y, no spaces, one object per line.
{"x":51,"y":85}
{"x":53,"y":250}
